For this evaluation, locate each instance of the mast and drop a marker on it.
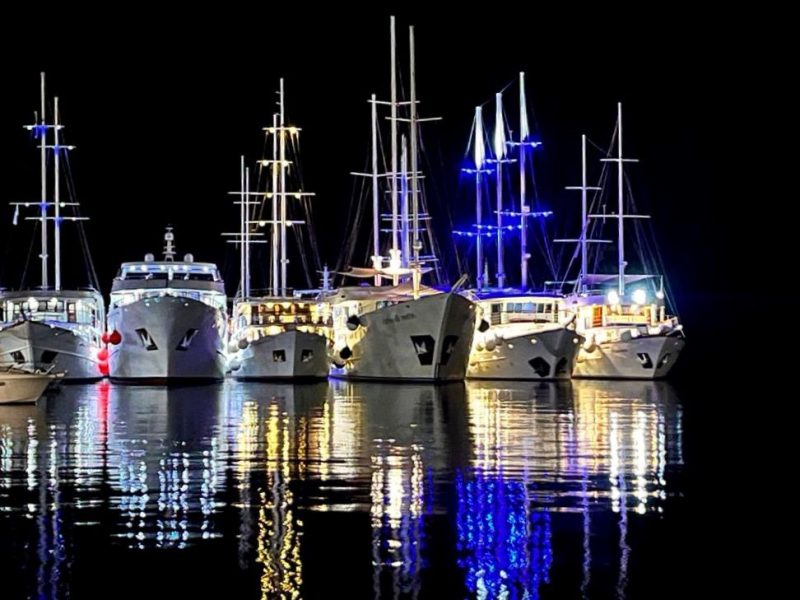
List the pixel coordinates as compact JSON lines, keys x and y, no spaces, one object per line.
{"x":57,"y":195}
{"x":620,"y":207}
{"x":246,"y":235}
{"x":500,"y":152}
{"x":275,"y":200}
{"x":584,"y":217}
{"x":283,"y":193}
{"x":417,"y":245}
{"x":583,"y":240}
{"x":43,"y":146}
{"x":243,"y":197}
{"x":376,"y":242}
{"x":621,"y":216}
{"x":393,"y":102}
{"x":523,"y":207}
{"x":404,"y":219}
{"x":480,"y":156}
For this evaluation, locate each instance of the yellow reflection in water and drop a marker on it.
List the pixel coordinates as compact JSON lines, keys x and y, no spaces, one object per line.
{"x":279,"y":532}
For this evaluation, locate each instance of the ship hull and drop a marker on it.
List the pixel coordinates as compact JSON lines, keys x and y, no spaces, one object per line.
{"x":539,"y":355}
{"x":43,"y":345}
{"x":22,"y":388}
{"x":167,"y":339}
{"x":645,"y":357}
{"x":286,"y":355}
{"x":427,"y":339}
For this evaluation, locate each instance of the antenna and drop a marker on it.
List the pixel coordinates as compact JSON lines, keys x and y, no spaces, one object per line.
{"x":169,"y":245}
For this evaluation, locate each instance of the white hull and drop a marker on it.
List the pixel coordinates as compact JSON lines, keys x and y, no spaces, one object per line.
{"x":39,"y":344}
{"x":427,"y":339}
{"x":167,"y":338}
{"x":286,"y":355}
{"x":22,"y":388}
{"x":645,"y":357}
{"x":548,"y":354}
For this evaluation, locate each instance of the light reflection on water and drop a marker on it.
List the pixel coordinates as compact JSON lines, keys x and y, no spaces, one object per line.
{"x":501,"y":489}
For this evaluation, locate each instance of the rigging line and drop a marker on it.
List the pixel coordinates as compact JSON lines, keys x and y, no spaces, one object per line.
{"x":433,"y":242}
{"x":91,"y":271}
{"x":28,"y":258}
{"x":353,"y":216}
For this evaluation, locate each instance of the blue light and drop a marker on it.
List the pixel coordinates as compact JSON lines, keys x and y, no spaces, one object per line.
{"x":499,"y":557}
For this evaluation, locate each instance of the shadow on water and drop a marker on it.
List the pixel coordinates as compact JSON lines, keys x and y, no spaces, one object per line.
{"x":483,"y":489}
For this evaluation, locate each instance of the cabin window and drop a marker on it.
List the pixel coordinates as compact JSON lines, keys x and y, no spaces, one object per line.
{"x":561,"y":366}
{"x":48,"y":356}
{"x":147,"y":340}
{"x":187,"y":340}
{"x":540,"y":366}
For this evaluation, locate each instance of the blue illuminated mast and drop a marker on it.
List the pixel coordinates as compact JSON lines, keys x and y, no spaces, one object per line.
{"x":525,"y":213}
{"x":499,"y":159}
{"x":479,"y":156}
{"x":40,"y":129}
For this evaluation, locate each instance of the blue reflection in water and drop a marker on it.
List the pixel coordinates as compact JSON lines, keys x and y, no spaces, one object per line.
{"x":505,"y":546}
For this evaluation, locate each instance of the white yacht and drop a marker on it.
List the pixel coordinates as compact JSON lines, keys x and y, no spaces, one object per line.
{"x":23,"y":387}
{"x":167,"y":320}
{"x":397,"y":333}
{"x":623,"y":315}
{"x":397,"y":328}
{"x":53,"y":326}
{"x":521,"y":334}
{"x":278,"y":335}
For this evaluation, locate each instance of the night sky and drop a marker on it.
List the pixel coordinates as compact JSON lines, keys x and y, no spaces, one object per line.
{"x":161,"y":107}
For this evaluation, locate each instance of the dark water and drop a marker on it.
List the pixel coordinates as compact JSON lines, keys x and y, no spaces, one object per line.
{"x":501,"y":490}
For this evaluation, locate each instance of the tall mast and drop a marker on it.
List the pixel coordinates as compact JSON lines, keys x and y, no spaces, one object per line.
{"x":480,"y":157}
{"x":620,"y":207}
{"x":246,"y":232}
{"x":416,"y":246}
{"x":243,"y":197}
{"x":500,"y":152}
{"x":275,"y":200}
{"x":376,"y":232}
{"x":584,"y":216}
{"x":621,"y":216}
{"x":283,"y":194}
{"x":57,"y":194}
{"x":43,"y":146}
{"x":524,"y":209}
{"x":393,"y":102}
{"x":404,"y":219}
{"x":583,"y":240}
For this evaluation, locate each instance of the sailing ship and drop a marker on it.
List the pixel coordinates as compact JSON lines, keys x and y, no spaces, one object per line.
{"x":522,"y":334}
{"x":167,"y":320}
{"x":403,"y":330}
{"x":53,"y":326}
{"x":629,"y":333}
{"x":278,"y":335}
